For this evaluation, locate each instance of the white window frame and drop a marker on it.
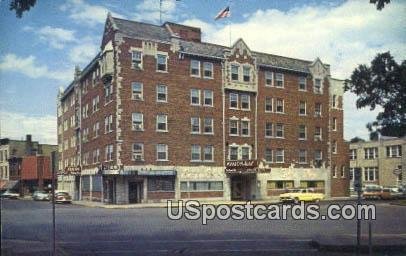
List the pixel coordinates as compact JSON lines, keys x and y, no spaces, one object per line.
{"x":316,"y":113}
{"x":135,"y":61}
{"x":283,"y":106}
{"x":353,"y":154}
{"x":191,"y":97}
{"x":318,"y":137}
{"x":300,"y":108}
{"x":211,"y":125}
{"x":316,"y":89}
{"x":137,"y":125}
{"x":244,"y":69}
{"x":137,"y":95}
{"x":166,"y":122}
{"x":267,"y":74}
{"x":205,"y":92}
{"x":230,"y":100}
{"x":231,"y":72}
{"x":272,"y":131}
{"x":242,"y":101}
{"x":305,"y":132}
{"x":249,"y":152}
{"x":230,"y":127}
{"x":245,"y":121}
{"x":211,"y":70}
{"x":192,"y":125}
{"x":198,"y":68}
{"x":334,"y":124}
{"x":159,"y":150}
{"x":301,"y":79}
{"x":276,"y":155}
{"x":212,"y":153}
{"x":198,"y":149}
{"x":279,"y":80}
{"x":271,"y":101}
{"x":305,"y":156}
{"x":137,"y":155}
{"x":271,"y":155}
{"x":157,"y":63}
{"x":229,"y":152}
{"x":158,"y":93}
{"x":334,"y":147}
{"x":276,"y":131}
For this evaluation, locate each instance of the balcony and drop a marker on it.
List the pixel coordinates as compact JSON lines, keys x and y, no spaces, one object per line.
{"x":107,"y":64}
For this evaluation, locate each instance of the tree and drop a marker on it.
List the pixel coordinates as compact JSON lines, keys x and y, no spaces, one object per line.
{"x":21,"y":6}
{"x":382,"y":84}
{"x":356,"y":139}
{"x":379,"y":3}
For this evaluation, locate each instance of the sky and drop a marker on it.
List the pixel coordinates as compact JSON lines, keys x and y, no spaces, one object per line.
{"x":38,"y":52}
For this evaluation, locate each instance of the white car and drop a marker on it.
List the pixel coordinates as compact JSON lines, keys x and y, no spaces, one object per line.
{"x":9,"y":194}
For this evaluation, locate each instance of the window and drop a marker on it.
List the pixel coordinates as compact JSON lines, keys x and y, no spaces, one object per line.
{"x":317,"y":86}
{"x":353,"y":154}
{"x":234,"y":72}
{"x":195,"y":125}
{"x":343,"y":171}
{"x":371,"y":153}
{"x":85,"y":111}
{"x":302,"y":83}
{"x":245,"y":153}
{"x":334,"y":124}
{"x":109,"y":152}
{"x":96,"y":156}
{"x":245,"y":128}
{"x":233,"y":151}
{"x":302,"y":108}
{"x":334,"y":168}
{"x":279,"y":155}
{"x":268,"y":104}
{"x":334,"y":147}
{"x":234,"y":127}
{"x":137,"y":122}
{"x":279,"y":80}
{"x":302,"y":132}
{"x":195,"y":68}
{"x":371,"y":174}
{"x":136,"y":59}
{"x":268,"y":78}
{"x":161,"y":183}
{"x":138,"y":152}
{"x":233,"y":100}
{"x":394,"y":151}
{"x":208,"y":98}
{"x":246,"y":74}
{"x":96,"y":103}
{"x":318,"y":157}
{"x":317,"y":109}
{"x":245,"y":101}
{"x":351,"y":173}
{"x":302,"y":156}
{"x":279,"y":133}
{"x":208,"y":153}
{"x":96,"y":128}
{"x":268,"y":129}
{"x":162,"y":123}
{"x":317,"y":134}
{"x":268,"y":155}
{"x":280,"y":106}
{"x":161,"y":93}
{"x":162,"y":152}
{"x":207,"y":70}
{"x":201,"y":186}
{"x":195,"y":153}
{"x":161,"y":62}
{"x":137,"y":90}
{"x":208,"y":125}
{"x":334,"y":101}
{"x":108,"y":124}
{"x":108,"y":92}
{"x":194,"y":96}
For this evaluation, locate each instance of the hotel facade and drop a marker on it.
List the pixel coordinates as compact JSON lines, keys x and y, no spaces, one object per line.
{"x":158,"y":114}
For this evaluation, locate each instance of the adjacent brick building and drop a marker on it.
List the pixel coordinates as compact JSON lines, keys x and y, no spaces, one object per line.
{"x":158,"y":114}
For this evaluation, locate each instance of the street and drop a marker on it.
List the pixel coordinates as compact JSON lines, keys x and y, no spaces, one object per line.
{"x":26,"y":230}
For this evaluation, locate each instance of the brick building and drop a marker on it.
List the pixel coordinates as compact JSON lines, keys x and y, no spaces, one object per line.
{"x":158,"y":114}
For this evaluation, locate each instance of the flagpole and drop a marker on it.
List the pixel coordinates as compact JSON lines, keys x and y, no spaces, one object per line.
{"x":229,"y":21}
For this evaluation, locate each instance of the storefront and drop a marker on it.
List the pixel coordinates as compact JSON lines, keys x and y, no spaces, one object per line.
{"x":243,"y":179}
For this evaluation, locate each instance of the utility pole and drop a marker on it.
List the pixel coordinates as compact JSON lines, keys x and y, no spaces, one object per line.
{"x":53,"y":161}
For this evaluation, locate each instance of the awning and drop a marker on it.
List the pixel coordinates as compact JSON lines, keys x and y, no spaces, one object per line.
{"x":157,"y":172}
{"x":8,"y":184}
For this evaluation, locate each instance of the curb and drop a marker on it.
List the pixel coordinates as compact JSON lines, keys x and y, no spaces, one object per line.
{"x":350,"y":248}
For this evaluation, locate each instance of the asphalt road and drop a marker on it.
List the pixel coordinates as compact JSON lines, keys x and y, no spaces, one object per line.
{"x":26,"y":230}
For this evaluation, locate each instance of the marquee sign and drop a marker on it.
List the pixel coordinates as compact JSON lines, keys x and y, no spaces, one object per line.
{"x":72,"y":170}
{"x":241,"y":164}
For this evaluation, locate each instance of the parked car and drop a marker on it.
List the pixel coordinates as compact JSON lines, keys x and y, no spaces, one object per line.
{"x":9,"y":194}
{"x":62,"y":197}
{"x":301,"y":195}
{"x":372,"y":191}
{"x":40,"y":196}
{"x":391,"y":193}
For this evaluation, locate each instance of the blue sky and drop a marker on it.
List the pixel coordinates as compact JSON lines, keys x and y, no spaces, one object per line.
{"x":38,"y":52}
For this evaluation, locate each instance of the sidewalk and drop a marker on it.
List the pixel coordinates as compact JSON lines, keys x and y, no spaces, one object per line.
{"x":395,"y":243}
{"x":174,"y":203}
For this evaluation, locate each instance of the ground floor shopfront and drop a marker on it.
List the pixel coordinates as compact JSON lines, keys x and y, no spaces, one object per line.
{"x":148,"y":184}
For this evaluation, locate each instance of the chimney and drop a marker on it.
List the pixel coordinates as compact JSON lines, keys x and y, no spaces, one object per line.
{"x":28,"y":145}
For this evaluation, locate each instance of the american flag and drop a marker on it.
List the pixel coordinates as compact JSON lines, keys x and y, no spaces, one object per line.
{"x":223,"y":14}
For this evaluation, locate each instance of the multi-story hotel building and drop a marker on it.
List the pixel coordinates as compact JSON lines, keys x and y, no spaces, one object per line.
{"x":158,"y":114}
{"x":381,"y":161}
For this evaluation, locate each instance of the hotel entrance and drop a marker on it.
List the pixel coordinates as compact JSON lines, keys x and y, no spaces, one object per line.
{"x":243,"y":187}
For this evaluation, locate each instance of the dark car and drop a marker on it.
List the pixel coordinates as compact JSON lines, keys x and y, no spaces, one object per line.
{"x":62,"y":197}
{"x":40,"y":196}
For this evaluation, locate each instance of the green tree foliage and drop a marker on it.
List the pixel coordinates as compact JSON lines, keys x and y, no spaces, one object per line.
{"x":20,"y":6}
{"x":357,"y":139}
{"x":382,"y":84}
{"x":379,"y":3}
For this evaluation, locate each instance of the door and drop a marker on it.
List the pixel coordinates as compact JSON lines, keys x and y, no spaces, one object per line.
{"x":134,"y":192}
{"x":236,"y":188}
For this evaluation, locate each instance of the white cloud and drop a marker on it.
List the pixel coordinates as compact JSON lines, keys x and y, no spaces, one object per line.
{"x":82,"y":12}
{"x":149,"y":11}
{"x":17,"y":125}
{"x":56,"y":37}
{"x":343,"y":36}
{"x":84,"y":52}
{"x":30,"y":67}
